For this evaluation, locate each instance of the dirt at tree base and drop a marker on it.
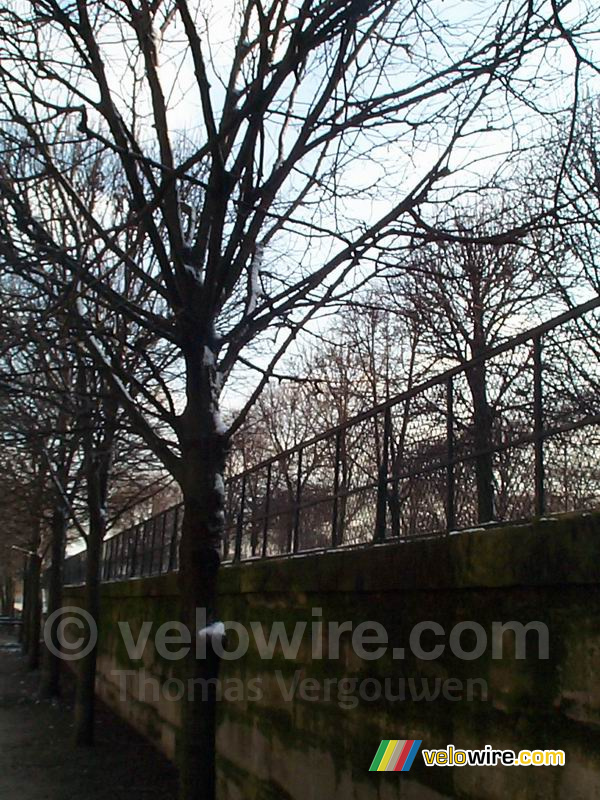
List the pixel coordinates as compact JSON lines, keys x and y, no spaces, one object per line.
{"x":38,"y":760}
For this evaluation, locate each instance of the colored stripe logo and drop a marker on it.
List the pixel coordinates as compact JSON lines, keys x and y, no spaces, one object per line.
{"x":395,"y":755}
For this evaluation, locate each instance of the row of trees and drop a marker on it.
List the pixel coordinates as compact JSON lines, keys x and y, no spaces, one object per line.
{"x":62,"y":436}
{"x":450,"y":303}
{"x":184,"y":196}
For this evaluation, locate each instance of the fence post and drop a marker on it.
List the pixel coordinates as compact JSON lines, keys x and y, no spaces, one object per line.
{"x":153,"y":547}
{"x":538,"y":415}
{"x":240,"y":524}
{"x":296,"y":529}
{"x":267,"y":511}
{"x":161,"y":559}
{"x":173,"y":542}
{"x":143,"y":548}
{"x":450,"y":474}
{"x":134,"y":552}
{"x":111,"y":557}
{"x":254,"y":524}
{"x":127,"y":538}
{"x":117,"y":557}
{"x":382,"y":479}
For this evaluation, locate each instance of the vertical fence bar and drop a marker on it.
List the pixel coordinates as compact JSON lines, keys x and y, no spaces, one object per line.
{"x":104,"y":562}
{"x":296,"y":529}
{"x":122,"y":555}
{"x":336,"y":490}
{"x":382,"y":479}
{"x":127,"y":535}
{"x":111,"y":558}
{"x":156,"y":550}
{"x":130,"y":551}
{"x":143,"y":547}
{"x":267,"y":511}
{"x":132,"y":546}
{"x":116,"y":557}
{"x":148,"y":542}
{"x":173,"y":542}
{"x":240,"y":524}
{"x":254,"y":529}
{"x":134,"y":552}
{"x":107,"y":561}
{"x":450,"y":466}
{"x":117,"y":564}
{"x":538,"y":415}
{"x":163,"y":534}
{"x":153,"y":547}
{"x":141,"y":551}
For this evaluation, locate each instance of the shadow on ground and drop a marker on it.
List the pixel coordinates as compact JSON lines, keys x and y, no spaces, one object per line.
{"x":39,"y":762}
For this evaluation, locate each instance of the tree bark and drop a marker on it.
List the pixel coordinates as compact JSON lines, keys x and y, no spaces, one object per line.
{"x":50,"y":681}
{"x":24,"y":630}
{"x":477,"y":379}
{"x":98,"y":464}
{"x":24,"y":635}
{"x":482,"y":440}
{"x":8,"y":597}
{"x":32,"y":597}
{"x":482,"y":415}
{"x":86,"y":674}
{"x":203,"y":452}
{"x":34,"y":612}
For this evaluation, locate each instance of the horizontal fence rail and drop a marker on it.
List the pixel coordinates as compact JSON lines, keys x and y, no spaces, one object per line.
{"x":507,"y":436}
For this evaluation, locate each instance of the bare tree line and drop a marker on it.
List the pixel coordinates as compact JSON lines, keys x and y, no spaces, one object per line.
{"x":168,"y":263}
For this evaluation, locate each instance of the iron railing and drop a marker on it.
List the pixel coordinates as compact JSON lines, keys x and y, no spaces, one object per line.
{"x":504,"y":437}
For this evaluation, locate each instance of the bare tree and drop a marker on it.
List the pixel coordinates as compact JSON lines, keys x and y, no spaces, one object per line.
{"x":249,"y":225}
{"x":469,"y":296}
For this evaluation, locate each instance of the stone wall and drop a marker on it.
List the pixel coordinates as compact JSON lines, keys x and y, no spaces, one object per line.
{"x":319,"y":744}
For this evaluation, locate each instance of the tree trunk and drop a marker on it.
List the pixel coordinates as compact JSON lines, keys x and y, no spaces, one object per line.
{"x":32,"y":597}
{"x":482,"y":415}
{"x":8,"y":597}
{"x":482,"y":441}
{"x":97,"y":482}
{"x":98,"y":462}
{"x":34,"y":612}
{"x":203,"y":454}
{"x":25,"y":605}
{"x":50,"y":682}
{"x":86,"y":674}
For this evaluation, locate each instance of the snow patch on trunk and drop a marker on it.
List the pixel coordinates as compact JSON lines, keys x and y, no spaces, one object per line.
{"x":220,"y":426}
{"x":254,"y":278}
{"x":194,"y":272}
{"x":219,"y":485}
{"x":216,"y":630}
{"x":208,"y":359}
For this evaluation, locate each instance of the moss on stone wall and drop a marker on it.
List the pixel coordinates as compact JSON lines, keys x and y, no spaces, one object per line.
{"x":545,"y":571}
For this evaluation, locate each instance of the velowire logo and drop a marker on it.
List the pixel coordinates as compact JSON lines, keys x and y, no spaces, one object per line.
{"x":395,"y":755}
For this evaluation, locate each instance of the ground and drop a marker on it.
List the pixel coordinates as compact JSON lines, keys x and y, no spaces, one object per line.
{"x":39,"y":762}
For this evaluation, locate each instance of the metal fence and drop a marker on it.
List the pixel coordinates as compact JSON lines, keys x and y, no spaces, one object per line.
{"x":504,"y":437}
